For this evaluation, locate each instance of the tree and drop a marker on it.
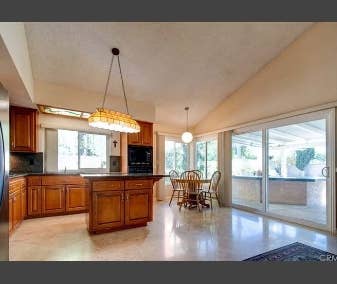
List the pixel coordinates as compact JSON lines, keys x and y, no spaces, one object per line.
{"x":303,"y":157}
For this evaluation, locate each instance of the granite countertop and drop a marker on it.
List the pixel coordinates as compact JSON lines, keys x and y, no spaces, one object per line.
{"x":85,"y":175}
{"x":47,"y":173}
{"x":122,"y":175}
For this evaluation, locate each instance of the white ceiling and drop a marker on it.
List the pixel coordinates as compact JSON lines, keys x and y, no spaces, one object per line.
{"x":170,"y":65}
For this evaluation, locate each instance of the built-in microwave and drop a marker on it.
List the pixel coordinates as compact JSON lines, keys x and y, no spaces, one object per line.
{"x":140,"y":159}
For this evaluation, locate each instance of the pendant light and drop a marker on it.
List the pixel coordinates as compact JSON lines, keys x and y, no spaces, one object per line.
{"x":110,"y":119}
{"x":187,"y":136}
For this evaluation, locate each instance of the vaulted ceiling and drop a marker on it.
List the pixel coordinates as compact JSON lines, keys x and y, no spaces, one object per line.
{"x":170,"y":65}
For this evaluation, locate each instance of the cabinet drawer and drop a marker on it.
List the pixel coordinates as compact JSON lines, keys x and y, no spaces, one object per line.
{"x":138,"y":184}
{"x":107,"y":185}
{"x":53,"y":180}
{"x":33,"y":180}
{"x":16,"y":184}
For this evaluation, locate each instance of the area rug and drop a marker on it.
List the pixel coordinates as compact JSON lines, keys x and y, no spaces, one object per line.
{"x":294,"y":252}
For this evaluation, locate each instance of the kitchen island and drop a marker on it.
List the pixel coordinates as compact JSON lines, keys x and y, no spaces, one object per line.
{"x":119,"y":201}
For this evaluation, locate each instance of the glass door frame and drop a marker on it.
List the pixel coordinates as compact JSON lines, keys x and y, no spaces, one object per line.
{"x":329,"y":116}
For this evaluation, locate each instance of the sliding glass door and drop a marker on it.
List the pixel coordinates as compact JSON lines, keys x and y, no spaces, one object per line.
{"x":284,"y":169}
{"x":298,"y":171}
{"x":247,"y":153}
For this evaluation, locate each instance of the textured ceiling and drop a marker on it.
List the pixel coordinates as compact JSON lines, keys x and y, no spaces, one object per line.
{"x":169,"y":65}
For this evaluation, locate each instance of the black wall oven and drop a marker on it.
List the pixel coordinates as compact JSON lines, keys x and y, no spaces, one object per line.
{"x":140,"y":159}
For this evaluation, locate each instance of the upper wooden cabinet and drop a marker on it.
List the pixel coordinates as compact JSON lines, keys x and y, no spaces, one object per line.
{"x":144,"y":137}
{"x":23,"y":123}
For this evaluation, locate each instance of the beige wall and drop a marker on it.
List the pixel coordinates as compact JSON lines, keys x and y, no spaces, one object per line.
{"x":302,"y":76}
{"x":72,"y":98}
{"x":14,"y":37}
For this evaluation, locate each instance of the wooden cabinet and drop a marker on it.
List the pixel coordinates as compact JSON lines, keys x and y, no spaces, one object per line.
{"x":144,"y":137}
{"x":119,"y":204}
{"x":137,"y":206}
{"x":147,"y":134}
{"x":76,"y":198}
{"x":10,"y":214}
{"x":134,"y":139}
{"x":53,"y":199}
{"x":108,"y":209}
{"x":16,"y":214}
{"x":34,"y":199}
{"x":17,"y":198}
{"x":23,"y":132}
{"x":56,"y":194}
{"x":23,"y":203}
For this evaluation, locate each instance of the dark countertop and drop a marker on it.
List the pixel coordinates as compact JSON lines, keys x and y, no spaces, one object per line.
{"x":303,"y":179}
{"x":121,"y":175}
{"x":50,"y":173}
{"x":86,"y":175}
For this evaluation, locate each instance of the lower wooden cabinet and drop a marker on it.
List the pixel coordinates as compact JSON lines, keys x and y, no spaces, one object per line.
{"x":55,"y":195}
{"x":34,"y":199}
{"x":53,"y":199}
{"x":138,"y":204}
{"x":17,"y":197}
{"x":23,"y":203}
{"x":76,"y":198}
{"x":108,"y":209}
{"x":17,"y":215}
{"x":120,"y":205}
{"x":10,"y":214}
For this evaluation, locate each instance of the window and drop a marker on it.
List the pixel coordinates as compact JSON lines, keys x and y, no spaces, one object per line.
{"x":176,"y":157}
{"x":80,"y":150}
{"x":63,"y":111}
{"x":207,"y":157}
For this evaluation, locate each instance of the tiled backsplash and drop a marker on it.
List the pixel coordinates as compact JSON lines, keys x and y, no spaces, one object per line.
{"x":26,"y":162}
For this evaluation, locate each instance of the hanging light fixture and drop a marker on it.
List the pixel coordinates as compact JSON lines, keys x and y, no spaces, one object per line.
{"x":110,"y":119}
{"x":187,"y":136}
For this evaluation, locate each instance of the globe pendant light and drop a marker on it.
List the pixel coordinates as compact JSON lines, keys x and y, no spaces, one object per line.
{"x":110,"y":119}
{"x":187,"y":136}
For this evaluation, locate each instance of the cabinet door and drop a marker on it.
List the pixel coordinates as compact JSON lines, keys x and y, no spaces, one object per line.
{"x":23,"y":129}
{"x":34,"y":200}
{"x":23,"y":203}
{"x":138,"y":206}
{"x":17,"y":215}
{"x":147,"y":134}
{"x":108,"y":209}
{"x":53,"y":200}
{"x":76,"y":198}
{"x":134,"y":138}
{"x":10,"y":214}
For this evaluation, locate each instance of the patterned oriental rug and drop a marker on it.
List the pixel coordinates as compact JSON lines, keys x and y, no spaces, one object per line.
{"x":294,"y":252}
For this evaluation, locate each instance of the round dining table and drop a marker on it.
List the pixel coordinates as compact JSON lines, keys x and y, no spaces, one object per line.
{"x":190,"y":186}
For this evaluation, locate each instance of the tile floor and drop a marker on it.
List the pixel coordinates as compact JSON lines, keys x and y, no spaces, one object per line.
{"x":221,"y":234}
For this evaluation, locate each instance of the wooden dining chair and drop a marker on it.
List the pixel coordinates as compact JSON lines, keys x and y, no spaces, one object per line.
{"x":177,"y":191}
{"x":191,"y":187}
{"x":213,"y":189}
{"x":198,"y":172}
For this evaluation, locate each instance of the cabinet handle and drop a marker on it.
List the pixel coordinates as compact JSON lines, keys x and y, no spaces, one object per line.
{"x":127,"y":196}
{"x":122,"y":196}
{"x":139,"y":184}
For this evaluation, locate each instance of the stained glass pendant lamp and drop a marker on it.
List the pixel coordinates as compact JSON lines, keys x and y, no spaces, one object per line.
{"x":110,"y":119}
{"x":187,"y":136}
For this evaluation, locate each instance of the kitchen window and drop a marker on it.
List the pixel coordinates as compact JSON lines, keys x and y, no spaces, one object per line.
{"x":206,"y":157}
{"x":176,"y":157}
{"x":81,"y":150}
